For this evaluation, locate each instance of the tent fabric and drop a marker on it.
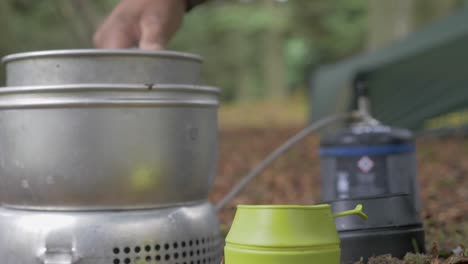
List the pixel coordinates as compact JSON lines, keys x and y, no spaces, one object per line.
{"x":420,"y":83}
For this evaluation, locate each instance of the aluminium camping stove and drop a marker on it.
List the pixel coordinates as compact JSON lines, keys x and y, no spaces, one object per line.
{"x":182,"y":234}
{"x":107,"y":158}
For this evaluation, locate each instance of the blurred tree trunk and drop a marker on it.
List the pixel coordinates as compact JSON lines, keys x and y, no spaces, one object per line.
{"x":246,"y":91}
{"x":389,"y":21}
{"x":273,"y":57}
{"x":81,"y":18}
{"x":6,"y":36}
{"x":243,"y":69}
{"x":87,"y":14}
{"x":395,"y":19}
{"x":429,"y":10}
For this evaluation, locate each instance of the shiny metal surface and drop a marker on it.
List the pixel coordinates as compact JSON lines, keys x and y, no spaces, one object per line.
{"x":106,"y":147}
{"x":172,"y":235}
{"x":101,"y":66}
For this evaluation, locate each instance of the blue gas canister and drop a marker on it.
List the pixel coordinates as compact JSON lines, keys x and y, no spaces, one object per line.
{"x":366,"y":160}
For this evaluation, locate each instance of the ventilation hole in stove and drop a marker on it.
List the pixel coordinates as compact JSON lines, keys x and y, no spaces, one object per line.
{"x":202,"y":250}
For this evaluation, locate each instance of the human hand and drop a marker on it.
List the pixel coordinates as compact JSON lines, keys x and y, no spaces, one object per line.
{"x":147,"y":24}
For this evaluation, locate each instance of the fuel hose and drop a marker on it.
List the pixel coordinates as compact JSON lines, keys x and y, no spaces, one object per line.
{"x":280,"y":151}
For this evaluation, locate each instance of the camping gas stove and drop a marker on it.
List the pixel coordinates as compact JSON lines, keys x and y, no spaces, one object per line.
{"x":182,"y":234}
{"x":107,"y":158}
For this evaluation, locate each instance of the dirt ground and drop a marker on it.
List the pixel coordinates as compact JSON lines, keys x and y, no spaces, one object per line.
{"x":294,"y":179}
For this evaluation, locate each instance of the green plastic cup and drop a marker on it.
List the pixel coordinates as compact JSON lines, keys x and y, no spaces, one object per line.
{"x":284,"y":234}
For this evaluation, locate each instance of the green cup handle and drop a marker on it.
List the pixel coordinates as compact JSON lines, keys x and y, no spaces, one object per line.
{"x":357,"y":211}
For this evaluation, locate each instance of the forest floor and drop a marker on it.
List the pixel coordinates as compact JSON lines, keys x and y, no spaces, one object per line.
{"x":294,"y":178}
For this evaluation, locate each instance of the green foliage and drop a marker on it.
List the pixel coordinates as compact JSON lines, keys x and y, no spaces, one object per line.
{"x":299,"y":55}
{"x":230,"y":37}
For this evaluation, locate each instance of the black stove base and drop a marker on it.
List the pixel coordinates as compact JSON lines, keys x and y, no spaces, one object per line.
{"x":374,"y":242}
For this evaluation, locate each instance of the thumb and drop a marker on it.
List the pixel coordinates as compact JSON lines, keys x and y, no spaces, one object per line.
{"x":152,"y":33}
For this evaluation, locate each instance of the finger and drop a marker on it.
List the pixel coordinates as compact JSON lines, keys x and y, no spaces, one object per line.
{"x":120,"y":29}
{"x":114,"y":37}
{"x":152,"y":34}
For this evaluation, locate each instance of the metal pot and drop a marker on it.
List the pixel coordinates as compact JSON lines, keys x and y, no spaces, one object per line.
{"x":92,"y":147}
{"x":101,"y":66}
{"x":393,"y":227}
{"x":186,"y":234}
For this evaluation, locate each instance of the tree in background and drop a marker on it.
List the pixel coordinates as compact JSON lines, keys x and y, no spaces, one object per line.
{"x":273,"y":55}
{"x":266,"y":48}
{"x":393,"y":20}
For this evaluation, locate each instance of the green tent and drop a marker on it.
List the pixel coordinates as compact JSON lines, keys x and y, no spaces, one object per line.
{"x":420,"y":83}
